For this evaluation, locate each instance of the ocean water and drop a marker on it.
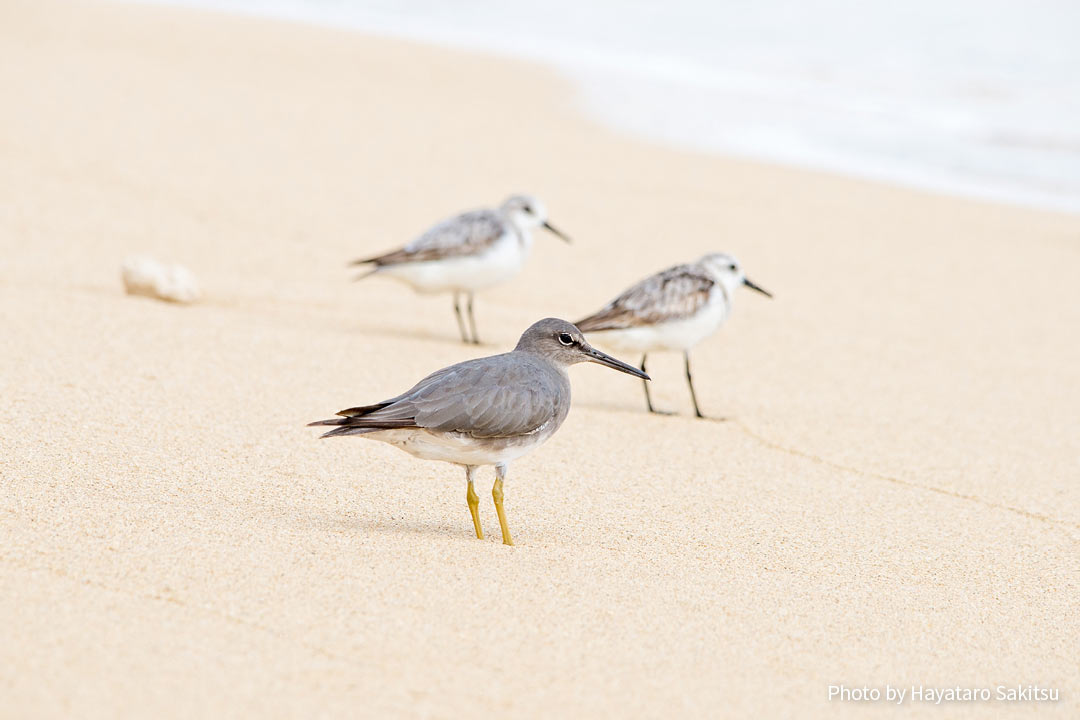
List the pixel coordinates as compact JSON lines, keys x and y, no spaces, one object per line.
{"x":971,"y":97}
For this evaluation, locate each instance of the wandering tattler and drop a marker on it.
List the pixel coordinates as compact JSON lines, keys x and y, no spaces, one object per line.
{"x":467,"y":253}
{"x":487,"y":411}
{"x":672,"y":310}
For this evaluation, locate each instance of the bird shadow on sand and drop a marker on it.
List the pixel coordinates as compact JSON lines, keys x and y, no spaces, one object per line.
{"x":628,"y":410}
{"x":420,"y":334}
{"x":394,"y":526}
{"x":259,"y":305}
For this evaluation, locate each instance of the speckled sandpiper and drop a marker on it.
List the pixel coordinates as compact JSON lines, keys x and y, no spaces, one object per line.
{"x":467,"y":253}
{"x":672,"y":310}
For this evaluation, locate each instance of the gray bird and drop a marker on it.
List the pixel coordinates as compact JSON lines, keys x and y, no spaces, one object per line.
{"x":467,"y":253}
{"x":487,"y":411}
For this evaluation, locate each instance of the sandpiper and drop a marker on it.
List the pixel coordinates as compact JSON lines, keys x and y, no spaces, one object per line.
{"x":672,"y":310}
{"x":487,"y":411}
{"x":467,"y":253}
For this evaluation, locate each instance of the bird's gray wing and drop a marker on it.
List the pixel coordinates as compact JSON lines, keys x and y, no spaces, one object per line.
{"x":499,"y":396}
{"x":466,"y":234}
{"x":673,"y":294}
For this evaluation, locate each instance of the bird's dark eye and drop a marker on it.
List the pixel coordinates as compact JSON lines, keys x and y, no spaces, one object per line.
{"x":528,"y":209}
{"x":733,"y":267}
{"x":566,"y":338}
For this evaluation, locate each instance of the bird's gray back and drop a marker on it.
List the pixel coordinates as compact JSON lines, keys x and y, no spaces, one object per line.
{"x":499,"y":396}
{"x":465,"y":234}
{"x":673,"y":294}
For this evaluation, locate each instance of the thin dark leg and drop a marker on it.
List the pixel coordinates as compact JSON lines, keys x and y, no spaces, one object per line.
{"x":648,"y":398}
{"x":472,"y":322}
{"x":690,"y":382}
{"x":460,"y":321}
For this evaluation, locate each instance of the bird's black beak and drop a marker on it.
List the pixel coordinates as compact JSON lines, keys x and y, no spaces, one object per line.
{"x":760,"y":289}
{"x":557,"y":233}
{"x":596,"y":356}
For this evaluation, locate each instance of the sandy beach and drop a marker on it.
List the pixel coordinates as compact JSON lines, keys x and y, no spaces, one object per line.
{"x":891,"y":497}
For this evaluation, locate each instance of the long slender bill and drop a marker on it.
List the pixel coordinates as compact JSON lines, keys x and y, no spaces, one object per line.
{"x":596,"y":356}
{"x":557,"y":233}
{"x":752,"y":286}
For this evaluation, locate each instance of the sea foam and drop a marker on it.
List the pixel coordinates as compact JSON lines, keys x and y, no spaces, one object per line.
{"x":974,"y":97}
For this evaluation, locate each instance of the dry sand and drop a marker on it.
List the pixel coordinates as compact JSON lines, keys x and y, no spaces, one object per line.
{"x":893,"y":497}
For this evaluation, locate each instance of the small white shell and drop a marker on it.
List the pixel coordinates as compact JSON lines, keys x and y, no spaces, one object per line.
{"x":146,"y":276}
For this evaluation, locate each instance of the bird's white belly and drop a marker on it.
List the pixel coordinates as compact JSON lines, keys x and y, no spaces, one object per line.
{"x":467,"y":273}
{"x":677,"y":335}
{"x":459,"y":448}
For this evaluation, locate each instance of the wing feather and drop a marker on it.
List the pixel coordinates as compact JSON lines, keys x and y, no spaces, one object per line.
{"x":499,"y":396}
{"x":674,"y":294}
{"x":466,"y":234}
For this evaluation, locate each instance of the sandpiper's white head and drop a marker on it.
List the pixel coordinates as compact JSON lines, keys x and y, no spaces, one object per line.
{"x":527,"y":212}
{"x":728,"y":272}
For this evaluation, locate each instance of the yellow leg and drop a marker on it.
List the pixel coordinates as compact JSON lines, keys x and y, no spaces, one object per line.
{"x":497,"y":493}
{"x":474,"y":509}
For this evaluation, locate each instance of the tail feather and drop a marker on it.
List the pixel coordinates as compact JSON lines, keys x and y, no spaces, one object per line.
{"x":591,"y":324}
{"x":359,"y":426}
{"x":363,"y":409}
{"x":346,"y":430}
{"x":356,"y":421}
{"x":372,"y":261}
{"x":390,"y":258}
{"x":606,"y":319}
{"x":331,"y":421}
